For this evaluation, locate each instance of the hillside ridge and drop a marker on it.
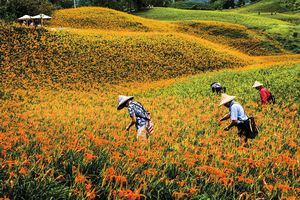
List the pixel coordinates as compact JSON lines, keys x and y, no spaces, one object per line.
{"x":265,"y":6}
{"x":69,"y":56}
{"x":235,"y":36}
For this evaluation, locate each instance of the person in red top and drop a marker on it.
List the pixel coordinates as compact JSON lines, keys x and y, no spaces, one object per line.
{"x":265,"y":94}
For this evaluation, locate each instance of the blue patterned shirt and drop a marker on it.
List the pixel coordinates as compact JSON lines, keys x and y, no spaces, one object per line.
{"x":136,"y":109}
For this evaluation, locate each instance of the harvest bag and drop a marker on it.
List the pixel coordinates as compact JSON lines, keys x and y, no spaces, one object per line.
{"x":150,"y":125}
{"x":252,"y":130}
{"x":271,"y":99}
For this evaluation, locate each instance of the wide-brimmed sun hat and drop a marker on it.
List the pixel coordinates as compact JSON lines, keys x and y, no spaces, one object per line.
{"x":257,"y":84}
{"x":226,"y":98}
{"x":122,"y":101}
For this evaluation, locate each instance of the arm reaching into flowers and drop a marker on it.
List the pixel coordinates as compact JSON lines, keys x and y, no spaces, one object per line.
{"x":227,"y":116}
{"x":133,"y":121}
{"x":232,"y":124}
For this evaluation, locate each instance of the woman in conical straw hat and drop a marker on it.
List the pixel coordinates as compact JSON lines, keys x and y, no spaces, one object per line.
{"x":138,"y":114}
{"x":265,"y":95}
{"x":237,"y":115}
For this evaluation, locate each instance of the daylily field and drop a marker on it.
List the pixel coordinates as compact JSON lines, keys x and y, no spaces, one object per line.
{"x":61,"y":136}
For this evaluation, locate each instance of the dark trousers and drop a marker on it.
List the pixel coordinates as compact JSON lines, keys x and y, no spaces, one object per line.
{"x":244,"y":129}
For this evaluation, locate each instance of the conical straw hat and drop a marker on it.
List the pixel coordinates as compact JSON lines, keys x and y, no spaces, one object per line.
{"x":257,"y":84}
{"x":122,"y":101}
{"x":225,"y":99}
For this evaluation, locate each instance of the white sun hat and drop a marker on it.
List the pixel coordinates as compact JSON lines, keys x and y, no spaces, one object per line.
{"x":226,"y":98}
{"x":122,"y":101}
{"x":257,"y":84}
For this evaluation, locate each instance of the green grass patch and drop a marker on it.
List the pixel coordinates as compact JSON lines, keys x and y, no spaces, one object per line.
{"x":172,"y":14}
{"x":287,"y":17}
{"x":282,"y":80}
{"x":232,"y":35}
{"x":265,"y":6}
{"x":284,"y":31}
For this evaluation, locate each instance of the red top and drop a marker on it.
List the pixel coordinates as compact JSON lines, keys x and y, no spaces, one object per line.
{"x":264,"y":94}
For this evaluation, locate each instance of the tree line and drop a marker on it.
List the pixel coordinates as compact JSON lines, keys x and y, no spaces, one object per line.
{"x":115,"y":4}
{"x":11,"y":9}
{"x":227,"y":4}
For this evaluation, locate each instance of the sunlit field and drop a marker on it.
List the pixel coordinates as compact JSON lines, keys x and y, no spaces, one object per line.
{"x":72,"y":143}
{"x":61,"y":136}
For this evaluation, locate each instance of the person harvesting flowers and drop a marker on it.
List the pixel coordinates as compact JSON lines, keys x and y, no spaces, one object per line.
{"x":139,"y":116}
{"x":238,"y":117}
{"x":265,"y":95}
{"x":217,"y":88}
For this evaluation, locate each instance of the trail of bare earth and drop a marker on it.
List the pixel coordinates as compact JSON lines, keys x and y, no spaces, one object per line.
{"x":279,"y":58}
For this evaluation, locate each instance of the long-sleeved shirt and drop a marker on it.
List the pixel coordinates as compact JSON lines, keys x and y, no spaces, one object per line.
{"x":264,"y":95}
{"x":237,"y":112}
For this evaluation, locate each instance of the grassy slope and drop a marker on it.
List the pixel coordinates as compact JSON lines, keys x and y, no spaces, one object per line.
{"x":232,"y":35}
{"x":71,"y":59}
{"x":161,"y":49}
{"x":282,"y":31}
{"x":293,"y":18}
{"x":239,"y":83}
{"x":227,"y":34}
{"x":172,"y":14}
{"x":264,"y":6}
{"x":271,"y":9}
{"x":105,"y":19}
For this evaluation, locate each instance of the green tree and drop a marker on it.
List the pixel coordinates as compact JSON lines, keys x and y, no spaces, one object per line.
{"x":17,"y":8}
{"x":223,"y":4}
{"x":63,"y":3}
{"x":240,"y":3}
{"x":291,"y":4}
{"x":228,"y":4}
{"x":161,"y":2}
